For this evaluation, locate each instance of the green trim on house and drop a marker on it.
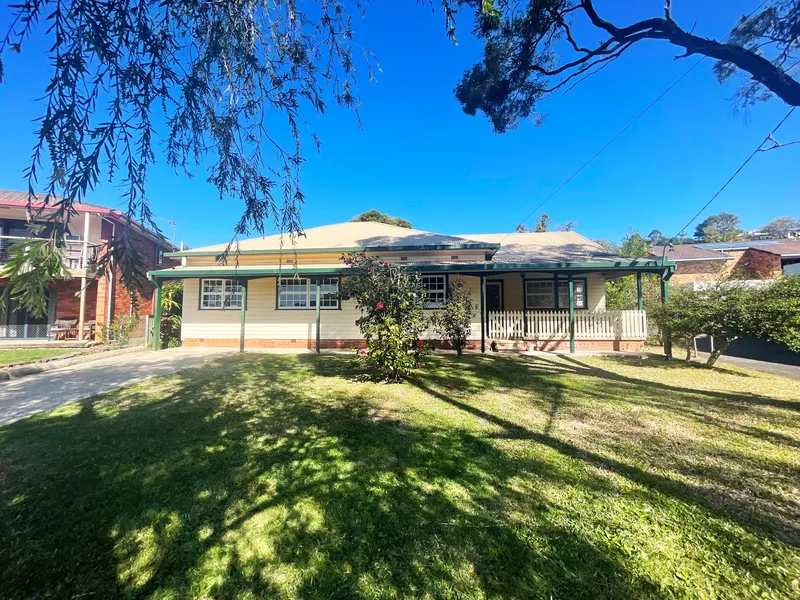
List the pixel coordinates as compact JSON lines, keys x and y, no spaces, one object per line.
{"x":649,"y":265}
{"x":475,"y":246}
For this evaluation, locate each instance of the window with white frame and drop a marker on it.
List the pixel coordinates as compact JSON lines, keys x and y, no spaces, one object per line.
{"x":220,"y":294}
{"x":435,"y":290}
{"x":296,"y":293}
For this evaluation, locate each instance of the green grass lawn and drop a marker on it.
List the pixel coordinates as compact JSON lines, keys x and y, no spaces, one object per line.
{"x":18,"y":355}
{"x":264,"y":476}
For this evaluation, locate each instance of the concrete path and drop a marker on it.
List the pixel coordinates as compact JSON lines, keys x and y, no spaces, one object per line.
{"x":790,"y":371}
{"x":26,"y":396}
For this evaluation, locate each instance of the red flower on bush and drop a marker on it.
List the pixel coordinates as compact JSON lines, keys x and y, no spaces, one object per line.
{"x":379,"y":305}
{"x":419,"y":365}
{"x":449,"y":385}
{"x":385,"y":265}
{"x":363,"y":351}
{"x":420,"y":343}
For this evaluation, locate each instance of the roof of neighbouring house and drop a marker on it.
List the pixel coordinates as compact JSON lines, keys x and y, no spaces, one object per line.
{"x":716,"y":251}
{"x":688,"y":253}
{"x":20,"y":200}
{"x":781,"y":247}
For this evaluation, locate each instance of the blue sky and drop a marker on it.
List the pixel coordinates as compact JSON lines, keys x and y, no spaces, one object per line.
{"x":419,"y":157}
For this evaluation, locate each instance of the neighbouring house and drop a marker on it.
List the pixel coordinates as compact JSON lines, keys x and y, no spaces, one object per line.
{"x":755,"y":259}
{"x":266,"y":295}
{"x":84,"y":296}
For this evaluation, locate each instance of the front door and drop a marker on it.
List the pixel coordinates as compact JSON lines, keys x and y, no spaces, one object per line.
{"x":494,"y":296}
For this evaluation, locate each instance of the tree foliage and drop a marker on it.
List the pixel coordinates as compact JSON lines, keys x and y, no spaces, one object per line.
{"x":730,"y":310}
{"x":171,"y":307}
{"x":533,"y":49}
{"x":379,"y":217}
{"x":780,"y":227}
{"x":391,"y":301}
{"x":723,"y":227}
{"x":216,"y":86}
{"x":454,"y":321}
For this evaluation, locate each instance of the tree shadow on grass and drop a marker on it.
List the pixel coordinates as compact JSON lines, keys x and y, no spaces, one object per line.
{"x":758,"y":509}
{"x":249,"y":478}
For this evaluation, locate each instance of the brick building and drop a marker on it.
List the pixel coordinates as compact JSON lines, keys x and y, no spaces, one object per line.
{"x":757,"y":259}
{"x":84,"y":295}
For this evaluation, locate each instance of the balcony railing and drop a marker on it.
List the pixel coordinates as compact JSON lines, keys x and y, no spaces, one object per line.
{"x":554,"y":325}
{"x":73,"y":251}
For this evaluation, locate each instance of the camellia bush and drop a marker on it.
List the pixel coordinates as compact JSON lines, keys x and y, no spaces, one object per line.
{"x":391,"y":300}
{"x":731,"y":310}
{"x":454,"y":321}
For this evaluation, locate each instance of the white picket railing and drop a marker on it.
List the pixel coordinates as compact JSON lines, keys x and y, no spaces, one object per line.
{"x":554,"y":325}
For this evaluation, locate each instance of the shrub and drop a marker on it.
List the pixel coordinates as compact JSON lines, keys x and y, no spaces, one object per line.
{"x":120,"y":329}
{"x":171,"y":303}
{"x":391,"y":301}
{"x":454,"y":321}
{"x":731,"y":310}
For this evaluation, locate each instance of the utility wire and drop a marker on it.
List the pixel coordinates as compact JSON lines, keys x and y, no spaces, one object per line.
{"x":623,"y":130}
{"x":732,"y":177}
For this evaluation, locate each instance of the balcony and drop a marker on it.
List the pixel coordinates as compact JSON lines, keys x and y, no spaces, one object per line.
{"x":72,"y":252}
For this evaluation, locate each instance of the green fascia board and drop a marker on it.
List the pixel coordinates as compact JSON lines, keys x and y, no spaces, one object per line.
{"x":476,"y":246}
{"x":650,"y":265}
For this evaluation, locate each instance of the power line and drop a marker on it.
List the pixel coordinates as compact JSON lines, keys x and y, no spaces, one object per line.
{"x":732,"y":177}
{"x":611,"y":141}
{"x":623,"y":130}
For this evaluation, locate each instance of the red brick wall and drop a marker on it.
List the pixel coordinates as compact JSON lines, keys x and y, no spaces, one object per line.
{"x":119,"y":297}
{"x":758,"y":264}
{"x":68,"y":303}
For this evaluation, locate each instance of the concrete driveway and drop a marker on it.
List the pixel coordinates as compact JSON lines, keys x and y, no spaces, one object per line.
{"x":26,"y":396}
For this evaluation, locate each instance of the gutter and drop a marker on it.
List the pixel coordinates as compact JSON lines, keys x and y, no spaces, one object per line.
{"x":476,"y":246}
{"x":650,"y":265}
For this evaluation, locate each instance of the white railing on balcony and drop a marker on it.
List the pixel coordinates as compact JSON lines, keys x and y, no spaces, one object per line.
{"x":73,"y":251}
{"x":554,"y":325}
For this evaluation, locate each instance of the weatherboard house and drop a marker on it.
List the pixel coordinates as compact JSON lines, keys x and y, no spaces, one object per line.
{"x":543,"y":291}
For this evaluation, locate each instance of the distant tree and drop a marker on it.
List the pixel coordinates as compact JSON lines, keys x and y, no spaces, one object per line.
{"x":634,"y":245}
{"x":379,"y":217}
{"x":534,"y":48}
{"x":780,"y":227}
{"x":542,"y":223}
{"x":568,"y":226}
{"x":609,"y":246}
{"x":656,"y":238}
{"x":723,"y":227}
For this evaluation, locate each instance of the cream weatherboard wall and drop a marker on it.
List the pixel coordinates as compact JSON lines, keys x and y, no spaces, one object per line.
{"x":513,"y":289}
{"x":264,"y":322}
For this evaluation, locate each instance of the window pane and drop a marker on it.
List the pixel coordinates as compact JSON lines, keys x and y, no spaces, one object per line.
{"x":329,"y":293}
{"x":435,"y":290}
{"x":539,"y":294}
{"x":293,"y":293}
